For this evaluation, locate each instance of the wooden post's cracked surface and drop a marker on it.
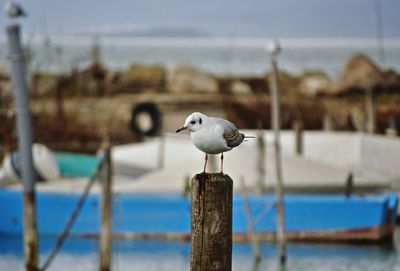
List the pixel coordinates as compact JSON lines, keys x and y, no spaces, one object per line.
{"x":211,"y":222}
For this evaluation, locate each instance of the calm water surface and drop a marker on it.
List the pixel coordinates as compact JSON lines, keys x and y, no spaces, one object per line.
{"x":226,"y":56}
{"x":156,"y":255}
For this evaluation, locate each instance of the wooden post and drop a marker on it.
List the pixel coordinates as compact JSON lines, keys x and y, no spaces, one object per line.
{"x":250,"y":222}
{"x":59,"y":99}
{"x":392,"y":128}
{"x":349,"y":185}
{"x":24,"y":127}
{"x":328,"y":124}
{"x":261,"y":159}
{"x":161,"y":151}
{"x":211,"y":222}
{"x":370,"y":105}
{"x":162,"y":145}
{"x":391,"y":132}
{"x":106,"y":212}
{"x":298,"y":134}
{"x":276,"y":120}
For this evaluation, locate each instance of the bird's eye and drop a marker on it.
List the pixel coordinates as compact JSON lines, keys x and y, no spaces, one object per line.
{"x":192,"y":122}
{"x":200,"y":121}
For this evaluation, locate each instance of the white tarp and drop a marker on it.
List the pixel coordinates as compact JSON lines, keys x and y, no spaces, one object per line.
{"x":326,"y":163}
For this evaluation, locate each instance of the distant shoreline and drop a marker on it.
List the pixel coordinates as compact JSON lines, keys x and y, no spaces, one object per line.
{"x":88,"y":39}
{"x":221,"y":56}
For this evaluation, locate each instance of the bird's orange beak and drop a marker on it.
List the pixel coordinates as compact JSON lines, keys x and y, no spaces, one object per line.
{"x":181,"y":129}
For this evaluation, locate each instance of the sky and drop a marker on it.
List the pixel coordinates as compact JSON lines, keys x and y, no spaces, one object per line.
{"x":212,"y":18}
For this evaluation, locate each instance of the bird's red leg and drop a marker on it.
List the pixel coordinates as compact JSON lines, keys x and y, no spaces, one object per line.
{"x":222,"y":163}
{"x":205,"y":163}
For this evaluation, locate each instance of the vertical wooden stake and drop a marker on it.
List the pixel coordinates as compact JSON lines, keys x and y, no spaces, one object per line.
{"x":106,"y":212}
{"x":30,"y":232}
{"x":261,"y":187}
{"x":328,"y":124}
{"x":370,"y":105}
{"x":349,"y":185}
{"x":161,"y":152}
{"x":211,"y":222}
{"x":391,"y":130}
{"x":298,"y":133}
{"x":250,"y":222}
{"x":276,"y":126}
{"x":59,"y":100}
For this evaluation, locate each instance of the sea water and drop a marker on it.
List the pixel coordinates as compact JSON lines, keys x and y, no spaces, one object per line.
{"x":224,"y":56}
{"x":151,"y":255}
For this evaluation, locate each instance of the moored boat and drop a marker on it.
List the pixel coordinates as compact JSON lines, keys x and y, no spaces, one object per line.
{"x":309,"y":217}
{"x":148,"y":202}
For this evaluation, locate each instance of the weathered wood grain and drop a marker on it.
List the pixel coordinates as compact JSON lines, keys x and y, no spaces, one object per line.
{"x":211,"y":222}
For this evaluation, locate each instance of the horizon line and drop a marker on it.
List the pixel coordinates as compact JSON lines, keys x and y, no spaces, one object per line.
{"x":104,"y":40}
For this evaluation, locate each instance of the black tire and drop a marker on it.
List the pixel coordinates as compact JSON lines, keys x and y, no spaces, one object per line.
{"x":152,"y":111}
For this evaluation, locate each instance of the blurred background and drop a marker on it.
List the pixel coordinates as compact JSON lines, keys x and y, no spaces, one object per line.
{"x":82,"y":54}
{"x":129,"y":72}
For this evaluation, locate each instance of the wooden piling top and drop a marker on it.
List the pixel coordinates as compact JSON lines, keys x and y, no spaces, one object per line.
{"x":211,"y":222}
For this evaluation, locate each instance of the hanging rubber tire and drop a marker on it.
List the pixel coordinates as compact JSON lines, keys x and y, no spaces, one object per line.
{"x":145,"y":119}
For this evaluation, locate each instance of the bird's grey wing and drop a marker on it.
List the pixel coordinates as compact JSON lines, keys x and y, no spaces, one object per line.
{"x":231,"y":134}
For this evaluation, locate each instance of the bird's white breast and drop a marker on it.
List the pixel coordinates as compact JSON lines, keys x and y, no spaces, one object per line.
{"x":210,"y":140}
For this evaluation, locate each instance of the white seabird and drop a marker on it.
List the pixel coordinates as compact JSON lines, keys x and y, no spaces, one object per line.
{"x":14,"y":10}
{"x":212,"y":135}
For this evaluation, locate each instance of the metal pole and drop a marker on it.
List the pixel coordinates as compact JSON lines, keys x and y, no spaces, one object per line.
{"x":24,"y":128}
{"x":275,"y":113}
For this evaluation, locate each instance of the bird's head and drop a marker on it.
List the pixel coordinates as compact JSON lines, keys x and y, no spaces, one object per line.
{"x":194,"y":122}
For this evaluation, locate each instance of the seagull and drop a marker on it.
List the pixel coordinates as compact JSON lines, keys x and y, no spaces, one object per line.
{"x":212,"y":135}
{"x":14,"y":10}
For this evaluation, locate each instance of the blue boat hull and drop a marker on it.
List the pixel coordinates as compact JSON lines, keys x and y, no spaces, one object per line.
{"x":307,"y":217}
